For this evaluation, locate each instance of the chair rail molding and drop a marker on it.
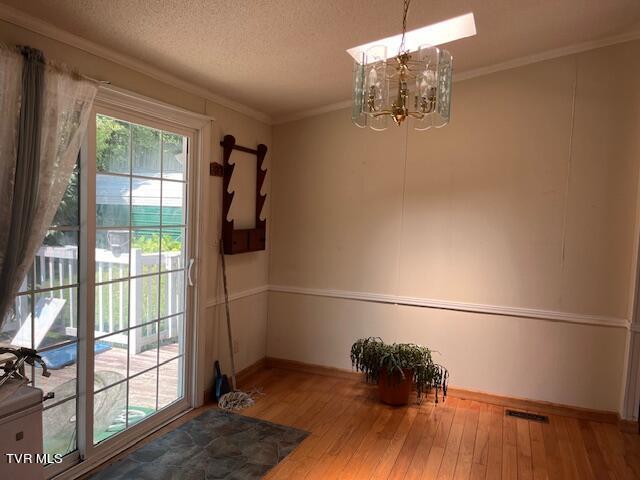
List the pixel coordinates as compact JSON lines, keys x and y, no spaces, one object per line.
{"x":521,"y":312}
{"x":214,"y":302}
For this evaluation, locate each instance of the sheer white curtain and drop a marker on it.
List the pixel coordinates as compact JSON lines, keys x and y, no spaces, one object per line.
{"x":57,"y":122}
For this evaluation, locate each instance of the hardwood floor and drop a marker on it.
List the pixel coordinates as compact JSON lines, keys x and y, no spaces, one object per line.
{"x":353,"y":436}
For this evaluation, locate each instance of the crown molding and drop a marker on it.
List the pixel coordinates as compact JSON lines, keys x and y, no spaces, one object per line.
{"x":520,"y":312}
{"x":482,"y":71}
{"x":36,"y":25}
{"x":548,"y":55}
{"x":314,"y":112}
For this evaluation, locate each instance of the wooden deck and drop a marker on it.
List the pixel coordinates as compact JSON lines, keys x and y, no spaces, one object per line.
{"x":142,"y":388}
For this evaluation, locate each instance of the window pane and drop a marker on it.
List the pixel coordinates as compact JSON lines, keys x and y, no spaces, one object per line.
{"x":171,"y":337}
{"x":145,"y":250}
{"x":144,"y":299}
{"x":140,"y":208}
{"x":108,"y":412}
{"x":170,"y":381}
{"x":146,"y":202}
{"x":172,"y":248}
{"x":171,"y":293}
{"x":112,"y":201}
{"x":142,"y":396}
{"x":174,"y":156}
{"x":62,"y":364}
{"x":68,"y":213}
{"x":143,"y":348}
{"x":59,"y":428}
{"x":56,"y":261}
{"x":56,"y":318}
{"x":112,"y":254}
{"x":110,"y":360}
{"x":173,"y":203}
{"x":112,"y":145}
{"x":16,"y":330}
{"x":145,"y":143}
{"x":111,"y":307}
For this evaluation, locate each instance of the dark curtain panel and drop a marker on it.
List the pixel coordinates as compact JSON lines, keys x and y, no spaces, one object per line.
{"x":25,"y":191}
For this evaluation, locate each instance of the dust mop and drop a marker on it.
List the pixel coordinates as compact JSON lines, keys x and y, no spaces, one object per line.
{"x":235,"y":399}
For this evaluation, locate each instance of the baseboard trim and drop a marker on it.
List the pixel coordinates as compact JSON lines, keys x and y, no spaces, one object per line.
{"x":628,"y":426}
{"x":252,"y":369}
{"x":296,"y":366}
{"x":537,"y":406}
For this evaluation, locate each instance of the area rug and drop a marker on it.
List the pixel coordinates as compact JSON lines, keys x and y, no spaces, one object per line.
{"x":214,"y":445}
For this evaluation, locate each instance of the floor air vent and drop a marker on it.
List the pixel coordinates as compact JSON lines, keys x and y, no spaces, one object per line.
{"x":534,"y":417}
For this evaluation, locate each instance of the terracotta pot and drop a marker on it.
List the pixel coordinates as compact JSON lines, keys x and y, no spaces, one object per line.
{"x":395,"y":390}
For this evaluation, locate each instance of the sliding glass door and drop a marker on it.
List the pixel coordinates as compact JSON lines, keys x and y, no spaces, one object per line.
{"x":108,"y":302}
{"x":140,"y":271}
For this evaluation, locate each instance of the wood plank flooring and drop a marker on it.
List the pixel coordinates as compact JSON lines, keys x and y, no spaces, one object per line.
{"x":353,"y":436}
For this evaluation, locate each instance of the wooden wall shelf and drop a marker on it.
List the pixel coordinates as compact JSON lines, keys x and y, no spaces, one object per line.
{"x":241,"y":240}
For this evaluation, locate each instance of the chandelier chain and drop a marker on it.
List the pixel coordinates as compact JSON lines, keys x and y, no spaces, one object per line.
{"x":404,"y":24}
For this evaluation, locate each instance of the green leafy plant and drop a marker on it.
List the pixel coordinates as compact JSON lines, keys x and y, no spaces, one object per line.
{"x":371,"y":355}
{"x":151,"y":242}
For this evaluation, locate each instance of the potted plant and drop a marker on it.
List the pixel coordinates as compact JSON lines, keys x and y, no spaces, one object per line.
{"x":397,"y":367}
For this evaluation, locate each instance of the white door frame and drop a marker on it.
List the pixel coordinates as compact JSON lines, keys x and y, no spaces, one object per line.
{"x":198,"y":128}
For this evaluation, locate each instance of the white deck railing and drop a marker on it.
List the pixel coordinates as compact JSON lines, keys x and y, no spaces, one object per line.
{"x":151,"y":296}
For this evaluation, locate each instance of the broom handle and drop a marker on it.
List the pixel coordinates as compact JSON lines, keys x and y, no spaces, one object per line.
{"x":226,"y":307}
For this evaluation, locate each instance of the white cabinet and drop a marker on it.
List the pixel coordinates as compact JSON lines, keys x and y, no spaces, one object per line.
{"x":21,"y":433}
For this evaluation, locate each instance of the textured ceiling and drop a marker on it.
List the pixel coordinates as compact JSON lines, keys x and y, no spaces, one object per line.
{"x":285,"y":56}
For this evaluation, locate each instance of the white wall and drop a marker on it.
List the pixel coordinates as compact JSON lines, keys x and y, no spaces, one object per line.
{"x":527,"y":200}
{"x":542,"y":360}
{"x":246,"y":273}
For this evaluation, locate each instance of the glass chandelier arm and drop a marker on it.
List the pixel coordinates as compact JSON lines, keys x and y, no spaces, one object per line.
{"x":381,"y":113}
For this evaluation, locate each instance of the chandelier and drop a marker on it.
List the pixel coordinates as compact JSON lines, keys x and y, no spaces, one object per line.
{"x":413,"y":84}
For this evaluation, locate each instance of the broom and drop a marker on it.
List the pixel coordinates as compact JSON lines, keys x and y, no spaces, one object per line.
{"x":235,"y":399}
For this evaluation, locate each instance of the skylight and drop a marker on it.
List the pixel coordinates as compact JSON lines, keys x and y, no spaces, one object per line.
{"x":434,"y":34}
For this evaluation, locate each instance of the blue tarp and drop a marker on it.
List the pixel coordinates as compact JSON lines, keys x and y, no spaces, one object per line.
{"x":64,"y":356}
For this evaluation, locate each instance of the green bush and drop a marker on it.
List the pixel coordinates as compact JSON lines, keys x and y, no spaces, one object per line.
{"x":150,"y":243}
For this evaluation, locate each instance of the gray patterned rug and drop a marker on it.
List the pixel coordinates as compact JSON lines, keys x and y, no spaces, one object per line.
{"x":214,"y":445}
